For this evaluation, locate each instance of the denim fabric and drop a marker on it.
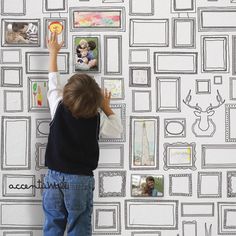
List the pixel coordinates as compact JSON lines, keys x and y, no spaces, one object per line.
{"x":67,"y":203}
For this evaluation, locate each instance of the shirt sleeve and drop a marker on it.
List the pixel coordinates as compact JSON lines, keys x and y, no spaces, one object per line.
{"x":110,"y":127}
{"x":55,"y":91}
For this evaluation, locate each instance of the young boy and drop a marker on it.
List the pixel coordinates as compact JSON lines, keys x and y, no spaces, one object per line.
{"x":72,"y":151}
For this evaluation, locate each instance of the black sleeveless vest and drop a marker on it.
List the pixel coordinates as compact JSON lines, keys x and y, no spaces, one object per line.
{"x":72,"y":143}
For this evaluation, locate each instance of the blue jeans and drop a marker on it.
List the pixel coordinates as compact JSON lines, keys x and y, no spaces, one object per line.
{"x":67,"y":202}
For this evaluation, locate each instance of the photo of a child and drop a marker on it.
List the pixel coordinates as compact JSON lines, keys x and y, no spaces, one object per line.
{"x":147,"y":186}
{"x":86,"y":55}
{"x":21,"y":32}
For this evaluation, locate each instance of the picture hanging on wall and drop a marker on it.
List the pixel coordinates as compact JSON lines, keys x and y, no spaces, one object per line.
{"x":21,"y":32}
{"x":87,"y":53}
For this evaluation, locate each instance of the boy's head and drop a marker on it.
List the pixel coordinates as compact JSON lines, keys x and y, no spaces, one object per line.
{"x":150,"y":181}
{"x":91,"y":45}
{"x":19,"y":27}
{"x":82,"y":96}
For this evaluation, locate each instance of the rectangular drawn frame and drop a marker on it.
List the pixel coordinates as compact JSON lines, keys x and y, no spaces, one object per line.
{"x":13,"y":13}
{"x":147,"y":51}
{"x":230,"y":191}
{"x":232,"y":88}
{"x":131,"y":13}
{"x":193,"y":223}
{"x":228,"y":122}
{"x":5,"y":100}
{"x":10,"y":50}
{"x":27,"y":146}
{"x":100,"y":9}
{"x":111,"y":50}
{"x":234,"y":54}
{"x":131,"y":76}
{"x":149,"y":100}
{"x":182,"y":10}
{"x":38,"y":157}
{"x":211,"y":213}
{"x":15,"y":233}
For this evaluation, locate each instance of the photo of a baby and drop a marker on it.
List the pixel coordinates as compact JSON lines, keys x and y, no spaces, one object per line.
{"x":23,"y":33}
{"x":147,"y":186}
{"x":86,"y":54}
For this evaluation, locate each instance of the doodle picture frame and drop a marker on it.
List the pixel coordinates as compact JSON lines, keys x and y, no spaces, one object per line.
{"x":10,"y":56}
{"x":232,"y":88}
{"x":118,"y":186}
{"x":175,"y":128}
{"x":13,"y":101}
{"x":37,"y":94}
{"x":14,"y":39}
{"x":141,"y":101}
{"x":136,"y":8}
{"x":139,"y":76}
{"x":178,"y":6}
{"x":40,"y":150}
{"x":85,"y":58}
{"x":197,"y":209}
{"x":203,"y":86}
{"x":42,"y":127}
{"x":62,"y":36}
{"x":179,"y":156}
{"x":146,"y":233}
{"x":50,"y":6}
{"x":231,"y":179}
{"x":15,"y":233}
{"x":230,"y":115}
{"x":16,"y":8}
{"x":143,"y":157}
{"x":189,"y":228}
{"x":11,"y":76}
{"x":139,"y":56}
{"x":180,"y":185}
{"x":108,"y":19}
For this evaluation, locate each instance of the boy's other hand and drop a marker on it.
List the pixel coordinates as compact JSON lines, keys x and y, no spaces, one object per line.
{"x":105,"y":106}
{"x":53,"y":45}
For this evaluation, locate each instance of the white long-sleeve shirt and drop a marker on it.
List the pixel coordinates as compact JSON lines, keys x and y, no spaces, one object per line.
{"x":109,"y":126}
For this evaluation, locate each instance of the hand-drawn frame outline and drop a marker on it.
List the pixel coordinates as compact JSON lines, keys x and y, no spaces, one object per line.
{"x":190,"y":192}
{"x":212,"y":204}
{"x":19,"y":69}
{"x":180,"y":121}
{"x":13,"y":14}
{"x":39,"y":146}
{"x":131,"y":76}
{"x":228,"y":108}
{"x":149,"y":100}
{"x":10,"y":50}
{"x":131,"y":13}
{"x":5,"y":100}
{"x":230,"y":191}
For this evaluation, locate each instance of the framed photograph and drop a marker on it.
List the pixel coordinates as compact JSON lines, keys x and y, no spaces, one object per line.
{"x":179,"y":156}
{"x":147,"y":185}
{"x":140,"y":76}
{"x":144,"y":139}
{"x":86,"y":53}
{"x":97,"y":19}
{"x":115,"y":86}
{"x":37,"y":94}
{"x":62,"y":36}
{"x":21,"y":32}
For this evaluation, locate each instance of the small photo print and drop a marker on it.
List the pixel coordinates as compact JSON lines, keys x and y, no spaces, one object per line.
{"x":21,"y":32}
{"x":87,"y":54}
{"x":147,"y":185}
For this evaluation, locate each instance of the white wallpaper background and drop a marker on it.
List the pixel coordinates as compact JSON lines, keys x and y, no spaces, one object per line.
{"x":171,"y":68}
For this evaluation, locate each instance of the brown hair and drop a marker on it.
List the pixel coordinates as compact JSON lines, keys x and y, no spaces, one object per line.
{"x":82,"y":96}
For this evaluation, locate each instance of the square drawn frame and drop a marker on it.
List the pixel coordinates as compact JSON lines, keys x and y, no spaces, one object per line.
{"x":27,"y":119}
{"x":5,"y":100}
{"x":8,"y":20}
{"x":14,"y":233}
{"x":131,"y":76}
{"x":198,"y":81}
{"x":222,"y":207}
{"x":122,"y":97}
{"x":46,"y":9}
{"x":181,"y":54}
{"x":230,"y":191}
{"x":151,"y":13}
{"x":38,"y":123}
{"x":178,"y":121}
{"x":225,"y":39}
{"x":113,"y":146}
{"x":31,"y":108}
{"x":211,"y":204}
{"x":132,"y":43}
{"x":199,"y":183}
{"x":106,"y":205}
{"x":139,"y":50}
{"x":168,"y":146}
{"x":202,"y":10}
{"x":122,"y":108}
{"x":177,"y":81}
{"x":215,"y":79}
{"x":174,"y":204}
{"x":4,"y":182}
{"x":225,"y":219}
{"x":11,"y":13}
{"x":146,"y":175}
{"x":131,"y":138}
{"x":110,"y":174}
{"x":194,"y":223}
{"x":156,"y":233}
{"x":38,"y":54}
{"x":19,"y":202}
{"x":149,"y":99}
{"x":190,"y":185}
{"x":215,"y":147}
{"x":38,"y":148}
{"x":64,"y":31}
{"x":228,"y":121}
{"x":232,"y":89}
{"x":187,"y":10}
{"x":106,"y":51}
{"x":192,"y":21}
{"x":10,"y":50}
{"x":19,"y":69}
{"x":98,"y":37}
{"x":113,"y":217}
{"x":100,"y":9}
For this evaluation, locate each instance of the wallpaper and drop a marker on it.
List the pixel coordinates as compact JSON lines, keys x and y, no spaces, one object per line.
{"x":171,"y":68}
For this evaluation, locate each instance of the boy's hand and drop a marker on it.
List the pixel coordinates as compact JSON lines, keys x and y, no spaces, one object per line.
{"x":105,"y":106}
{"x":53,"y":45}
